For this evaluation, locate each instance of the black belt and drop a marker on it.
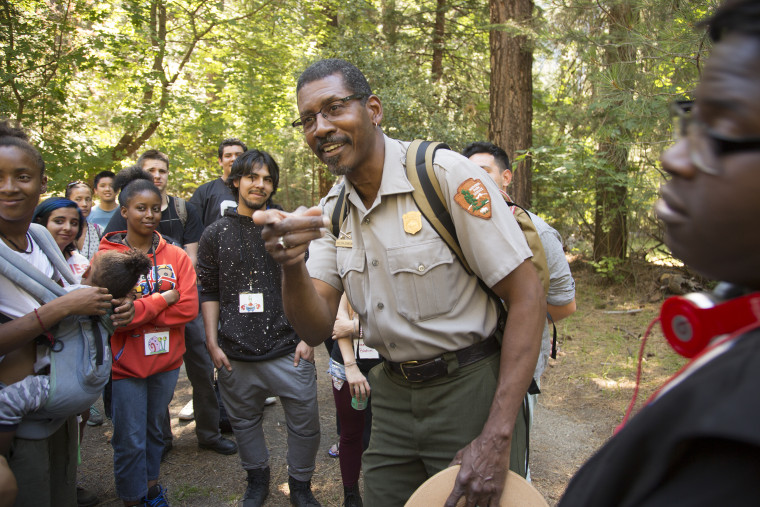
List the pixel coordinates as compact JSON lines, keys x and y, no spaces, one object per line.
{"x":429,"y":369}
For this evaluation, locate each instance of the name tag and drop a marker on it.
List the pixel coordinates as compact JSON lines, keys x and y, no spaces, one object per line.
{"x":344,"y":241}
{"x":364,"y":351}
{"x":157,"y":343}
{"x":251,"y":302}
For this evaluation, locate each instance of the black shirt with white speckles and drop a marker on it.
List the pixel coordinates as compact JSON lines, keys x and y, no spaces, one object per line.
{"x":232,"y":260}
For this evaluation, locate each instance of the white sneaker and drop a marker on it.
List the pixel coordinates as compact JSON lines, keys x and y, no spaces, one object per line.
{"x":270,"y":401}
{"x":187,"y":413}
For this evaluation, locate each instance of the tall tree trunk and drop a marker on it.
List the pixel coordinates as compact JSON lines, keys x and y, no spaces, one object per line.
{"x":512,"y":90}
{"x":611,"y":213}
{"x":390,"y":23}
{"x":438,"y":37}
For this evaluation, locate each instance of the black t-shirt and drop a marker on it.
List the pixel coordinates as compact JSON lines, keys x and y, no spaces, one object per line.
{"x":212,"y":199}
{"x":170,"y":225}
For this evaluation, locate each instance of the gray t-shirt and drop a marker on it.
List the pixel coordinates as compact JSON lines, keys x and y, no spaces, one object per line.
{"x":561,"y":283}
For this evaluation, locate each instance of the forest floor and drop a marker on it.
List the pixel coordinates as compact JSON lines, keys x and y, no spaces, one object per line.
{"x":585,"y":393}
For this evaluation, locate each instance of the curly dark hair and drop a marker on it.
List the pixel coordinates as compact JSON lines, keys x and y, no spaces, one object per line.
{"x":118,"y":271}
{"x":132,"y":180}
{"x":353,"y":79}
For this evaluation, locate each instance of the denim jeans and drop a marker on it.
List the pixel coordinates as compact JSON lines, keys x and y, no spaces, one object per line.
{"x":139,"y":408}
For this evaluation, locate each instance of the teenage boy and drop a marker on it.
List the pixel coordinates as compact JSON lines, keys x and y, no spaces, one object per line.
{"x":106,"y":208}
{"x":214,"y":197}
{"x":253,"y":346}
{"x":560,"y":300}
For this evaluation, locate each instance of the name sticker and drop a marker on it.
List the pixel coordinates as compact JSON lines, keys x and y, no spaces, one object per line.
{"x":364,"y":351}
{"x":250,"y":302}
{"x":157,"y":343}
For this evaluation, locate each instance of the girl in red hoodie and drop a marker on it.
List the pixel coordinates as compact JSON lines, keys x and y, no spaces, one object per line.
{"x":147,"y":354}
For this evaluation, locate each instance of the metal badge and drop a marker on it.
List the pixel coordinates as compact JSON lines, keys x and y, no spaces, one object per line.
{"x":412,"y":222}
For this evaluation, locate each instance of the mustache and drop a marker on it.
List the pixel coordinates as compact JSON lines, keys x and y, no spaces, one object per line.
{"x":332,"y":140}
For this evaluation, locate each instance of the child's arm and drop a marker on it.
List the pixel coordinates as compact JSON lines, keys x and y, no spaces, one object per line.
{"x":186,"y":309}
{"x":147,"y":310}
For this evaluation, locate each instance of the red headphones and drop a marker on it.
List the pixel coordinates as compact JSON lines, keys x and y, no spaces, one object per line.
{"x":690,"y":323}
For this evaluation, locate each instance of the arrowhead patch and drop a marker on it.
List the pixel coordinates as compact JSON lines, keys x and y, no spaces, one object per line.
{"x":473,"y":197}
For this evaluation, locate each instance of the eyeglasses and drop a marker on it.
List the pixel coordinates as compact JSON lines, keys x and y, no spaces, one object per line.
{"x":330,"y":112}
{"x":77,"y":182}
{"x":706,"y":146}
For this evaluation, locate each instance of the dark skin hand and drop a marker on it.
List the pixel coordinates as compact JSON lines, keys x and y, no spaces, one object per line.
{"x":298,"y":229}
{"x":123,"y":310}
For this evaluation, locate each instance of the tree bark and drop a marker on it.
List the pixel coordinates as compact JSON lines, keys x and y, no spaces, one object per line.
{"x":439,"y":31}
{"x":511,"y":90}
{"x":390,"y":25}
{"x":611,"y":212}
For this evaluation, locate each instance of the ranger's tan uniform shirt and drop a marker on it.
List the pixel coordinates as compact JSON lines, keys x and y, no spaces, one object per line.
{"x":413,"y":297}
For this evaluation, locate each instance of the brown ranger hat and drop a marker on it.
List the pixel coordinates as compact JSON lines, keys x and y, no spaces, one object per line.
{"x":433,"y":493}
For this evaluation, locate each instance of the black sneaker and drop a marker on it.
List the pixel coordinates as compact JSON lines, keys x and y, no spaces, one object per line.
{"x":300,"y":493}
{"x":258,"y":488}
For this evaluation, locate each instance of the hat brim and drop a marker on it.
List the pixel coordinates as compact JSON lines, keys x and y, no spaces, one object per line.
{"x":433,"y":493}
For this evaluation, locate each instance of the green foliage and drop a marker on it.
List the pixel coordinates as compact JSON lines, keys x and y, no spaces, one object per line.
{"x":97,"y":82}
{"x":609,"y":268}
{"x":606,"y":81}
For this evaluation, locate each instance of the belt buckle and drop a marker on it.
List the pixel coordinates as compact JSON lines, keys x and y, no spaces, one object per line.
{"x":403,"y":371}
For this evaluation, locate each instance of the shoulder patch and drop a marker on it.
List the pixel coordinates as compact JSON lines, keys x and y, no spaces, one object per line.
{"x":473,"y":197}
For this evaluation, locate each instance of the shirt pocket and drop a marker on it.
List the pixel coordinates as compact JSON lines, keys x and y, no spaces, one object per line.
{"x":351,"y":266}
{"x":422,"y":279}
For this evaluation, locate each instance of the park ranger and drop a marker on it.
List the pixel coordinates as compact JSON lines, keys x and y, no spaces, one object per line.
{"x":446,"y":391}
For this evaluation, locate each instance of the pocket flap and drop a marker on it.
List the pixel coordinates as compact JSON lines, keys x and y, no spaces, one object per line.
{"x":419,"y":258}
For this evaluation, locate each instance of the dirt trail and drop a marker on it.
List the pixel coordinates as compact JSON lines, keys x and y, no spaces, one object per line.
{"x":563,"y":437}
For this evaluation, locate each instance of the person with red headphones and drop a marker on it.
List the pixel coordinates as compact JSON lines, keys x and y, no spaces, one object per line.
{"x":696,"y":441}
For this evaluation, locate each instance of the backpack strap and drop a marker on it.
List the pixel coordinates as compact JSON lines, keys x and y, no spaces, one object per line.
{"x":428,"y":196}
{"x":530,"y":232}
{"x":45,"y":241}
{"x":180,"y":206}
{"x":28,"y":277}
{"x":340,"y":212}
{"x":34,"y":281}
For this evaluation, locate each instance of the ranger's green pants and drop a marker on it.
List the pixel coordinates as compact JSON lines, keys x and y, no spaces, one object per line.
{"x":417,"y":428}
